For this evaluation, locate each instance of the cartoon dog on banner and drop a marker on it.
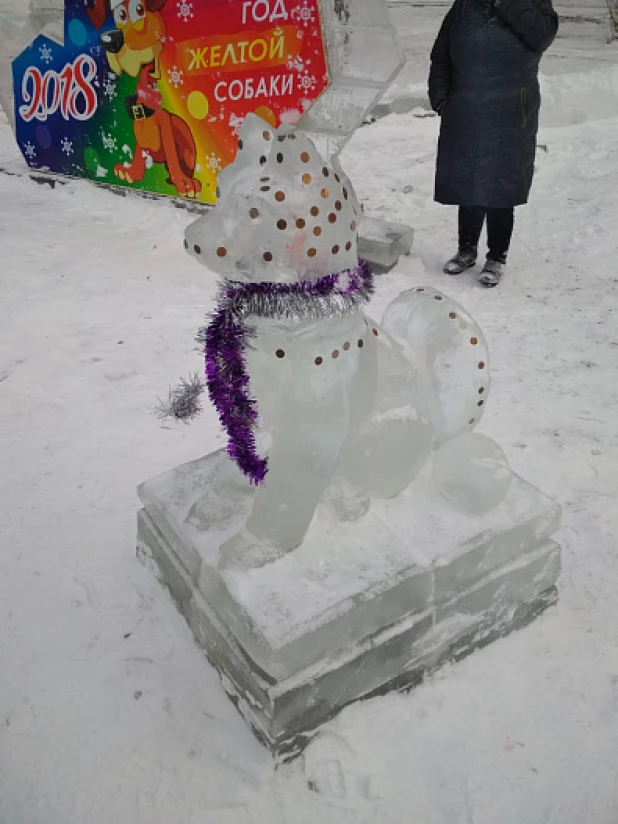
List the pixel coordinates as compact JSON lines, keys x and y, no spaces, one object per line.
{"x":135,"y":47}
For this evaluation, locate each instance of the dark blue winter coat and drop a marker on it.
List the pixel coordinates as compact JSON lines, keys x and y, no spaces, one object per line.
{"x":484,"y":83}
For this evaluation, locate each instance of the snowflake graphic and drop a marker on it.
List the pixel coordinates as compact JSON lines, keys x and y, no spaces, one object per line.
{"x":306,"y":82}
{"x":148,"y":159}
{"x":185,"y":10}
{"x":29,"y":151}
{"x":109,"y":142}
{"x":46,"y":54}
{"x":101,"y":172}
{"x":109,"y":86}
{"x":297,"y":63}
{"x":175,"y":76}
{"x":303,"y":14}
{"x":96,"y":51}
{"x":67,"y":146}
{"x":213,"y":162}
{"x":235,"y":124}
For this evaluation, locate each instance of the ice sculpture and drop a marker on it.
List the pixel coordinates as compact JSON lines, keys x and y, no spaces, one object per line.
{"x":364,"y":57}
{"x":351,"y":408}
{"x":358,"y":532}
{"x":471,"y":472}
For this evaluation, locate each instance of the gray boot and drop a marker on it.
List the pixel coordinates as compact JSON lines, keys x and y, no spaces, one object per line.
{"x":464,"y":259}
{"x":491,"y":273}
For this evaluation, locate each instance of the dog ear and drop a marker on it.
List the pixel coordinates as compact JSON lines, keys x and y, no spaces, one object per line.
{"x":155,"y":5}
{"x":97,"y":12}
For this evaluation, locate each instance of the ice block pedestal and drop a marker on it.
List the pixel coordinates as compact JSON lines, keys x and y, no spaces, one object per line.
{"x":360,"y":608}
{"x":382,"y":243}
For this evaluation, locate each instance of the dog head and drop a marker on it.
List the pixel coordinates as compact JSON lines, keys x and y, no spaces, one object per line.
{"x":138,"y":37}
{"x":283,"y":215}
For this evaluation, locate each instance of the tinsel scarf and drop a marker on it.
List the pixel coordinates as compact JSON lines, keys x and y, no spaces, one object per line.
{"x":227,"y":337}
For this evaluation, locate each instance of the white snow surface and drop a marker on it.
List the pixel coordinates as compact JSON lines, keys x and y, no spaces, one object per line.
{"x":108,"y":710}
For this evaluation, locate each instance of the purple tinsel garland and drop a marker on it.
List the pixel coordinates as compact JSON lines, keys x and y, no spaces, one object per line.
{"x":227,"y":337}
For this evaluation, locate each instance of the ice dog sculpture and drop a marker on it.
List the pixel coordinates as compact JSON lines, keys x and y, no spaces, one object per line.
{"x":357,"y":532}
{"x":320,"y":402}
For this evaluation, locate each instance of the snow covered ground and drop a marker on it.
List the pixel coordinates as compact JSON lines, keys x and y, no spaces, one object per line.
{"x":108,"y":711}
{"x":581,"y":44}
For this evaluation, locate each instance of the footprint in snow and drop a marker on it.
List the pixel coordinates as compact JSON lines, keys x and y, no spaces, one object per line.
{"x":329,"y":772}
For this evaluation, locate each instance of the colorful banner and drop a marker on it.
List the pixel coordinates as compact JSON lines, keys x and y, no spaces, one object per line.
{"x":151,"y":94}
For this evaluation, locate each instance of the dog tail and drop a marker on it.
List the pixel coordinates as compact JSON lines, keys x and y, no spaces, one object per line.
{"x":184,"y":402}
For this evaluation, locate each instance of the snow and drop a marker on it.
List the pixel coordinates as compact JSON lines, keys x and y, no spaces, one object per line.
{"x":108,"y":711}
{"x":326,"y":587}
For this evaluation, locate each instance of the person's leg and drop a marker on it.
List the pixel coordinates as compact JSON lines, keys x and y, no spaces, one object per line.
{"x":499,"y":232}
{"x":471,"y":219}
{"x":500,"y":224}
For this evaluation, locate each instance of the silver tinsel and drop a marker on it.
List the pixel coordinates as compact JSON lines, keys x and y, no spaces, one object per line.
{"x":184,"y":402}
{"x":300,"y":304}
{"x":284,"y":301}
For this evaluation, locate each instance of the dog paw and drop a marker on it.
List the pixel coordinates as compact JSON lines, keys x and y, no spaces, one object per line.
{"x":123,"y":173}
{"x":246,"y":551}
{"x":347,"y":502}
{"x":196,"y":188}
{"x":188,"y":187}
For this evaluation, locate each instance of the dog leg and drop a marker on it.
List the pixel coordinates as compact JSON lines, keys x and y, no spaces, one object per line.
{"x":301,"y":465}
{"x":185,"y":185}
{"x":136,"y":170}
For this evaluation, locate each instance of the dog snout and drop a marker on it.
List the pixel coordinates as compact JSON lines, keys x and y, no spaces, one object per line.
{"x":207,"y":242}
{"x":112,"y":41}
{"x":194,"y":245}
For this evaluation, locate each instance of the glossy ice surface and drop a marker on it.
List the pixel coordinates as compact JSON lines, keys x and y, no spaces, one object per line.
{"x":350,"y":409}
{"x":472,"y":474}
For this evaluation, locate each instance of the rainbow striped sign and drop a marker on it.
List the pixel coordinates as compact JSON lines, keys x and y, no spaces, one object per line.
{"x":151,"y":94}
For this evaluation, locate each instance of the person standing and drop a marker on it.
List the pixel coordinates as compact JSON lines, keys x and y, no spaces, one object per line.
{"x":483,"y":83}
